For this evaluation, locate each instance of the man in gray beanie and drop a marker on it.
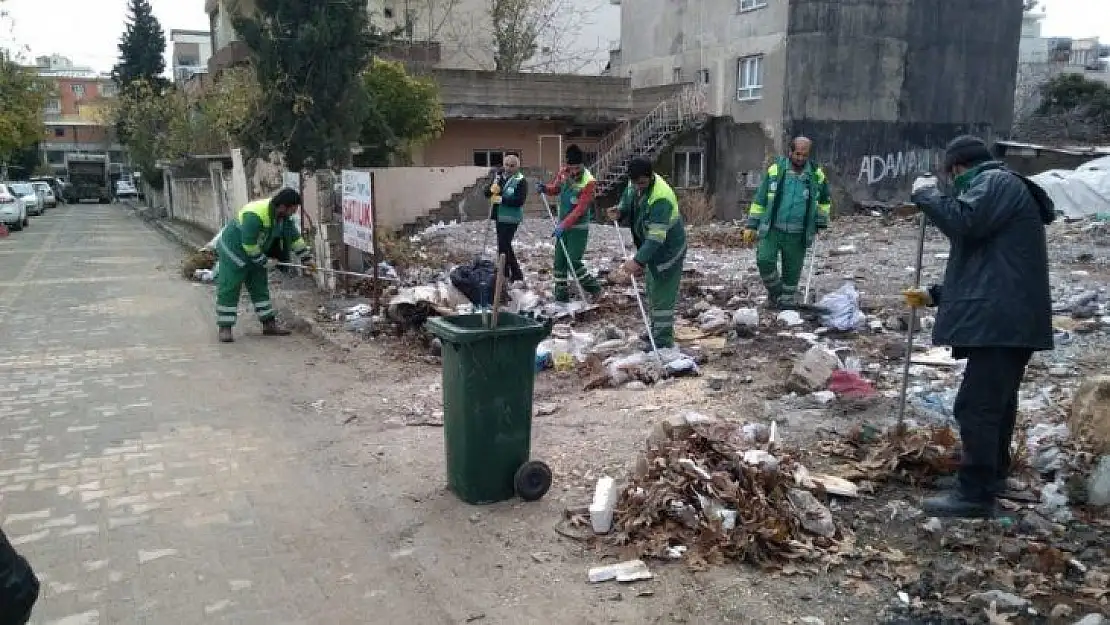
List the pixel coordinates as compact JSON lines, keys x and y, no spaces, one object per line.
{"x":994,"y":308}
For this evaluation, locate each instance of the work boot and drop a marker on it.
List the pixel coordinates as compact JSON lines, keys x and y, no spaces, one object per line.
{"x":270,"y":327}
{"x":226,"y":336}
{"x":955,"y":504}
{"x":951,"y":482}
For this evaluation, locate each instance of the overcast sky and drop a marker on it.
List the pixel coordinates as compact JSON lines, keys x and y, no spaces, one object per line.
{"x":87,"y":31}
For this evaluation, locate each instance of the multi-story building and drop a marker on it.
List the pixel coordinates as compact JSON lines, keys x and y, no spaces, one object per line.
{"x":190,"y":54}
{"x":74,"y":118}
{"x":879,"y":85}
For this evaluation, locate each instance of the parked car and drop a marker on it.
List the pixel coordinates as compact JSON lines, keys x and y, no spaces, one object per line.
{"x":25,"y":191}
{"x":13,"y":212}
{"x":49,"y":200}
{"x":126,"y":190}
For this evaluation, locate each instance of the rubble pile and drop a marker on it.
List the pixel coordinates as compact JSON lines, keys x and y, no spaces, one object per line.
{"x":709,"y":491}
{"x":198,"y":265}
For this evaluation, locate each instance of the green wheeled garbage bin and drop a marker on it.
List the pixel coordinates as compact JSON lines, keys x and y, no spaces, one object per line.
{"x":488,"y":376}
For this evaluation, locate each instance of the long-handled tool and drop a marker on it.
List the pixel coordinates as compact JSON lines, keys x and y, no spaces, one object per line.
{"x":813,"y":256}
{"x":566,"y":255}
{"x":498,"y":284}
{"x":337,"y":272}
{"x":640,"y":301}
{"x":912,"y":326}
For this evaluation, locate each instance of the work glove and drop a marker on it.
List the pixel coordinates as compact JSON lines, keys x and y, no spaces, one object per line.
{"x":558,"y":234}
{"x":928,"y":181}
{"x":541,"y":188}
{"x":495,"y":189}
{"x":260,"y":261}
{"x":917,"y":298}
{"x":748,"y":236}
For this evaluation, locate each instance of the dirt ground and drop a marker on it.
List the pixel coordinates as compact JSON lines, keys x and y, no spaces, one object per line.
{"x":517,"y":563}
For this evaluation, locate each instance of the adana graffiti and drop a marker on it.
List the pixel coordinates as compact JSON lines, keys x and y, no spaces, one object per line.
{"x":875,"y":168}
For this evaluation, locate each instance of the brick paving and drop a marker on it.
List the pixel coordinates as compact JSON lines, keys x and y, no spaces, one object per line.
{"x":150,"y":474}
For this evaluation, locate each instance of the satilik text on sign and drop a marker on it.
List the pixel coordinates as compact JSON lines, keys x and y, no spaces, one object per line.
{"x":358,"y":213}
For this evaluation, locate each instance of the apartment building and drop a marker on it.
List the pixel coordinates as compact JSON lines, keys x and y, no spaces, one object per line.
{"x":190,"y":51}
{"x":74,"y":118}
{"x":879,"y":85}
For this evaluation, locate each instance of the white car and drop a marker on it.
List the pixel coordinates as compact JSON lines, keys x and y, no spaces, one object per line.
{"x":125,"y":189}
{"x":26,"y":192}
{"x":13,"y":213}
{"x":48,"y":198}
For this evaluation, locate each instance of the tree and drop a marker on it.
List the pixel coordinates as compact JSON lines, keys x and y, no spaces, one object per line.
{"x":530,"y":35}
{"x":141,"y":48}
{"x":225,"y":111}
{"x":308,"y":58}
{"x":157,"y":123}
{"x":22,"y":99}
{"x":403,"y":110}
{"x":1071,"y":109}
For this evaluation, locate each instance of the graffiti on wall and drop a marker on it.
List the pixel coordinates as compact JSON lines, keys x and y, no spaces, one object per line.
{"x":876,"y":168}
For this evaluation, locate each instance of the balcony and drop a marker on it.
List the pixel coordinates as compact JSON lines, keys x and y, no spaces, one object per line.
{"x":468,"y":94}
{"x":233,"y":54}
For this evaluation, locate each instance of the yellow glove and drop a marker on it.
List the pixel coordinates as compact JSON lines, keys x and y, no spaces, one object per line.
{"x":311,"y":267}
{"x":749,"y":236}
{"x":495,"y":189}
{"x":917,"y":298}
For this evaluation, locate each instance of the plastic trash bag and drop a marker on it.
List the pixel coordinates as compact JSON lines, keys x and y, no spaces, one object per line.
{"x":843,"y":309}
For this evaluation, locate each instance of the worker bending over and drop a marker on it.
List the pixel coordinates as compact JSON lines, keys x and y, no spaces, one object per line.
{"x":796,"y":191}
{"x":994,"y":308}
{"x":649,"y":206}
{"x":242,"y":249}
{"x":575,"y":186}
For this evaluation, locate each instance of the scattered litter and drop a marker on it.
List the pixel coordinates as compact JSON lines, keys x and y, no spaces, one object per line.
{"x":630,"y":571}
{"x":843,"y":309}
{"x":850,"y":385}
{"x":605,"y":500}
{"x":812,"y":371}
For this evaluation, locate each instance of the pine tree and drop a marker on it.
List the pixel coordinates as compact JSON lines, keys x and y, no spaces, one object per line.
{"x":309,"y":56}
{"x":141,"y":48}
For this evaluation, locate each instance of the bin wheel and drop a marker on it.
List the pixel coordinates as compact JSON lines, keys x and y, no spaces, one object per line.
{"x":532,"y":481}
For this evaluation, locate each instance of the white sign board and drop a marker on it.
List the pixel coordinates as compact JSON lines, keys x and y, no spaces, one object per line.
{"x":358,"y":220}
{"x":291,"y":180}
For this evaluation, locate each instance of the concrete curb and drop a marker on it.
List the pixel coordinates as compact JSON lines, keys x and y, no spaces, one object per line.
{"x":284,"y":308}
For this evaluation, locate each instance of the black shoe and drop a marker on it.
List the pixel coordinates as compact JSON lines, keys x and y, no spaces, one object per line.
{"x":954,"y":504}
{"x":952,"y":482}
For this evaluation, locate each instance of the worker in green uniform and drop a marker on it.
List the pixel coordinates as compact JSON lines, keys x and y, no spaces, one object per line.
{"x":575,"y":186}
{"x":649,"y":206}
{"x":242,"y":250}
{"x":796,"y":191}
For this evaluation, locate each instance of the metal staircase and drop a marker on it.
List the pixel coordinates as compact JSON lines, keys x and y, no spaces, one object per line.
{"x":649,"y":136}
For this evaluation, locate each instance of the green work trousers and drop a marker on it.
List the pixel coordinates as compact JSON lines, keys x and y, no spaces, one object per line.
{"x":781,"y":286}
{"x":575,"y":242}
{"x":662,"y":294}
{"x":229,"y":283}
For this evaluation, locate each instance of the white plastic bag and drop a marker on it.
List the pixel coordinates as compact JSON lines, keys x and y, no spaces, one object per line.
{"x":843,"y":309}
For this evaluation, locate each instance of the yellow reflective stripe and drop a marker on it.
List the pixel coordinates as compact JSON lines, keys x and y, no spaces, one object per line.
{"x":261,"y":208}
{"x":757,"y":209}
{"x":773,"y":170}
{"x":252,"y":249}
{"x":657,"y":232}
{"x":824,"y":208}
{"x":299,"y":244}
{"x":820,"y":175}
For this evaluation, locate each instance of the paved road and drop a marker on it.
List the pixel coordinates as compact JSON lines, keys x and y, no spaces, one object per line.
{"x":152,"y":475}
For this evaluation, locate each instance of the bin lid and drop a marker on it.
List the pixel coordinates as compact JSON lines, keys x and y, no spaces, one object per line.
{"x":472,"y":328}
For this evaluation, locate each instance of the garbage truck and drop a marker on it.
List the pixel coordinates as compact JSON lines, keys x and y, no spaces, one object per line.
{"x":88,"y":178}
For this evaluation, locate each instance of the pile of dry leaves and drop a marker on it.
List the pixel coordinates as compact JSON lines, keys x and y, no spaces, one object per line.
{"x":712,"y":492}
{"x":912,"y":456}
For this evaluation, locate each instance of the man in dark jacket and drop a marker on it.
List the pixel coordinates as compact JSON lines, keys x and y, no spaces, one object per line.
{"x":994,"y":308}
{"x":19,"y":588}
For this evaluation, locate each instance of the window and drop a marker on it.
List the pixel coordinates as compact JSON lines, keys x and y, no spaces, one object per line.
{"x":53,"y":107}
{"x":492,"y":158}
{"x":703,"y":77}
{"x":59,"y":132}
{"x":749,"y":78}
{"x":78,"y":90}
{"x":751,"y":5}
{"x":689,"y":169}
{"x":676,"y":74}
{"x":108,"y":89}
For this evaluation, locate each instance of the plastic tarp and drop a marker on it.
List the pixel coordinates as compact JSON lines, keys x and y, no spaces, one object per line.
{"x":1079,"y":193}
